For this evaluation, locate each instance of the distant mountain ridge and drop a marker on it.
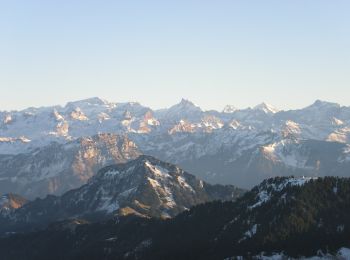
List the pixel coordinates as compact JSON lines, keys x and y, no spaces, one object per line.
{"x":33,"y":127}
{"x":235,"y":146}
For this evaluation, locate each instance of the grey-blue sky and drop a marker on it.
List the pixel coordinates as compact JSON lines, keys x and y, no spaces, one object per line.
{"x":287,"y":53}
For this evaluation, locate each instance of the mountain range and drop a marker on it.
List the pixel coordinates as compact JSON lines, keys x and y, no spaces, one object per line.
{"x":83,"y":182}
{"x":146,"y":187}
{"x":58,"y":167}
{"x":60,"y":148}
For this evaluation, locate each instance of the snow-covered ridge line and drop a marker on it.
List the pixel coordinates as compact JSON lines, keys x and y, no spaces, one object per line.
{"x":293,"y":181}
{"x":267,"y":188}
{"x":87,"y":117}
{"x":240,"y":143}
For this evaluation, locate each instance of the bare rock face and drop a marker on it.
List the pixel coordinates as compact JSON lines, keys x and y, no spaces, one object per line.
{"x":56,"y":168}
{"x":77,"y":114}
{"x":10,"y":202}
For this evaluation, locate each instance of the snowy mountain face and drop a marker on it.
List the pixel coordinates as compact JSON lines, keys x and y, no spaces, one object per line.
{"x":266,"y":108}
{"x":57,"y":168}
{"x":185,"y":110}
{"x":246,"y":157}
{"x":238,"y":146}
{"x":34,"y":127}
{"x":144,"y":187}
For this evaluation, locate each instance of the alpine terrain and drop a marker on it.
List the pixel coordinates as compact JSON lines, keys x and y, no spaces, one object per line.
{"x":144,"y":187}
{"x":58,"y":167}
{"x":234,"y":146}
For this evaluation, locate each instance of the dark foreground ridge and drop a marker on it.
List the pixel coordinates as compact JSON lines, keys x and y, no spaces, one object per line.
{"x":299,"y":216}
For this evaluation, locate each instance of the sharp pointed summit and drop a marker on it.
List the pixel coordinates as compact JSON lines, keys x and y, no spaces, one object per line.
{"x":183,"y":110}
{"x":185,"y":103}
{"x":267,"y":108}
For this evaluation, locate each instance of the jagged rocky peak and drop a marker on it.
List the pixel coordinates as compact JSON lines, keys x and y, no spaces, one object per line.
{"x":266,"y":108}
{"x":150,"y":187}
{"x":185,"y":105}
{"x":185,"y":110}
{"x":186,"y":102}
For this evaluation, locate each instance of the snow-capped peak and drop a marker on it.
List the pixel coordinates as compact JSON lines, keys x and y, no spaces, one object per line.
{"x":185,"y":105}
{"x":229,"y":109}
{"x":123,"y":186}
{"x":186,"y":102}
{"x":183,"y":110}
{"x":266,"y":108}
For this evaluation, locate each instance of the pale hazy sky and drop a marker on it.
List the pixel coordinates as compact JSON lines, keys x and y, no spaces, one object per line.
{"x":287,"y":53}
